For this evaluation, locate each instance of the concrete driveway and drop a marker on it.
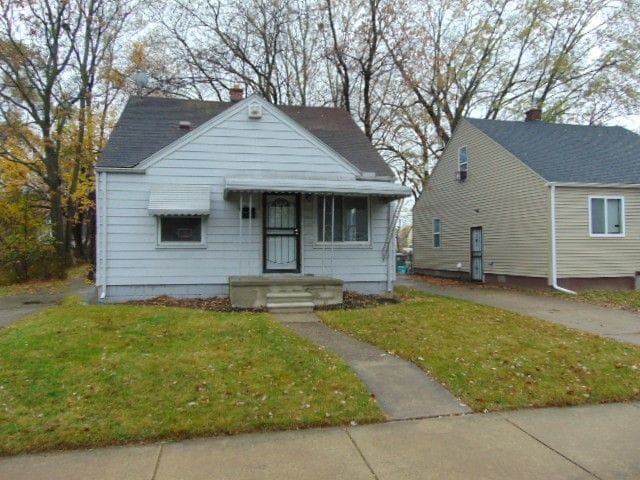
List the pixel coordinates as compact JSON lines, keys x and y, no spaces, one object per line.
{"x":607,"y":322}
{"x":15,"y":307}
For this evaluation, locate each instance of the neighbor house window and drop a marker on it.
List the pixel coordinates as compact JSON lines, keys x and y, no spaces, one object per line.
{"x":180,"y":230}
{"x":437,"y":232}
{"x":349,"y":222}
{"x":606,"y":216}
{"x":463,"y":163}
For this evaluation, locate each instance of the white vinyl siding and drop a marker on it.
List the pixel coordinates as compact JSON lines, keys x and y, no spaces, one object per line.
{"x":606,"y":216}
{"x":503,"y":195}
{"x":264,"y":148}
{"x":582,"y":254}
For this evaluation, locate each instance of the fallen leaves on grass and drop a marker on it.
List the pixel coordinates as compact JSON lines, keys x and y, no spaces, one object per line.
{"x":353,"y":300}
{"x":212,"y":304}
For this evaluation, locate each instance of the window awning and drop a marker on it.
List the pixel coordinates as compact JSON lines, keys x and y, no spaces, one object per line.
{"x":180,"y":200}
{"x":295,"y":185}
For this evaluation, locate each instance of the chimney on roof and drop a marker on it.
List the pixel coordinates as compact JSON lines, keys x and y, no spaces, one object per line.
{"x":534,"y":114}
{"x":236,"y":93}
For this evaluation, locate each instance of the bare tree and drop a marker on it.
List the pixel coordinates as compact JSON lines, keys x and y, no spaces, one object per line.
{"x":54,"y":77}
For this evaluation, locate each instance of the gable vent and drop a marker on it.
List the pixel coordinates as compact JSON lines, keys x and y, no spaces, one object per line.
{"x":255,"y":111}
{"x":184,"y":125}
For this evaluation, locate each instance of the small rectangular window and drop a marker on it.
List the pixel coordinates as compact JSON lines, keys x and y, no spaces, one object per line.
{"x":436,"y":232}
{"x":606,"y":216}
{"x":463,"y":160}
{"x":349,"y":222}
{"x":180,"y":230}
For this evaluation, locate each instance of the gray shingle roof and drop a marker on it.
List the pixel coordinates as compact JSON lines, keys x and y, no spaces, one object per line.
{"x":569,"y":153}
{"x":148,"y":124}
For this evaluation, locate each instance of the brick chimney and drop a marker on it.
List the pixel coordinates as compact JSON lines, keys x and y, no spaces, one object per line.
{"x":534,"y":114}
{"x":236,"y":93}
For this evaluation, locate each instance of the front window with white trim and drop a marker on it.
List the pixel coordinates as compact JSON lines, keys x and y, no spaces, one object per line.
{"x":180,"y":230}
{"x":342,"y":219}
{"x":437,"y":232}
{"x":606,"y":216}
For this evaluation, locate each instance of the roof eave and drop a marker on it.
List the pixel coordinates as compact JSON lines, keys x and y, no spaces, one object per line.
{"x":592,"y":185}
{"x":136,"y":170}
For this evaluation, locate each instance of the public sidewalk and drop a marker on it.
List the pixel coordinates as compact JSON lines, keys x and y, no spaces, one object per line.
{"x":591,"y":442}
{"x":607,"y":322}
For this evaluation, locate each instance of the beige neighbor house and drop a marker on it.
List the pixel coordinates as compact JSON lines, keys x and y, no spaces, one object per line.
{"x":533,"y":203}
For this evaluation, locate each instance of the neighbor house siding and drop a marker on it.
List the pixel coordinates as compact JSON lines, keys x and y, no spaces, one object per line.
{"x":237,"y":147}
{"x":502,"y":195}
{"x":581,"y":255}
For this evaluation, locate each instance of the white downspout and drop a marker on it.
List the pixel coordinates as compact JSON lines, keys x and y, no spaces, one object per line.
{"x":554,"y":257}
{"x":390,"y":252}
{"x":102,"y":222}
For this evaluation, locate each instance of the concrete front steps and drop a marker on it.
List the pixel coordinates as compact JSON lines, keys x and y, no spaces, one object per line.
{"x":284,"y":293}
{"x":290,"y":302}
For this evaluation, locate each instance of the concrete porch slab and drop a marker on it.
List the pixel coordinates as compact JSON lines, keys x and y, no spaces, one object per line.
{"x":261,"y":290}
{"x":283,"y":279}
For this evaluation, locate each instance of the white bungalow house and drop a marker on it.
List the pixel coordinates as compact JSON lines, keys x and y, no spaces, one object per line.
{"x":194,"y":196}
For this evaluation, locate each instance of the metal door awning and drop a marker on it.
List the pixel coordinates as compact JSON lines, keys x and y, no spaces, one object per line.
{"x":180,"y":200}
{"x":294,"y":185}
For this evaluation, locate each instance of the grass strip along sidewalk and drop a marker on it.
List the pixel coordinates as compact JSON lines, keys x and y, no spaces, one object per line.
{"x":86,"y":376}
{"x":494,"y":359}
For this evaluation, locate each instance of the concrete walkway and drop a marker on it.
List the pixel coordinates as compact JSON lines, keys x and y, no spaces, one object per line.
{"x":402,"y":390}
{"x":607,"y":322}
{"x":15,"y":307}
{"x":594,"y":442}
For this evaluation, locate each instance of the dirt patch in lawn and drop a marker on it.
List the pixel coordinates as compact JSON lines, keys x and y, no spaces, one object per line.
{"x":212,"y":304}
{"x":354,"y":300}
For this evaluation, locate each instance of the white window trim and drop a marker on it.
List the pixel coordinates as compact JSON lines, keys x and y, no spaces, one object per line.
{"x":203,"y":234}
{"x":439,"y":232}
{"x":622,"y":215}
{"x":466,"y":164}
{"x":342,"y":244}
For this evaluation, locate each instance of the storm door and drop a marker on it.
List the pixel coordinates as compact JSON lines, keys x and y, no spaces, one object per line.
{"x":281,"y":239}
{"x":477,"y":270}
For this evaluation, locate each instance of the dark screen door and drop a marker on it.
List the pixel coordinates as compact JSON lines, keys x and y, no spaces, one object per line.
{"x":477,"y":272}
{"x":281,"y":233}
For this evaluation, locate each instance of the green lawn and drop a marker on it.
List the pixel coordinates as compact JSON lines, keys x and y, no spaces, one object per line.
{"x":494,"y":359}
{"x":625,"y":299}
{"x":81,"y":376}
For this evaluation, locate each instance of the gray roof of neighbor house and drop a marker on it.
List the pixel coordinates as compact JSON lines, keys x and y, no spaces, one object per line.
{"x":569,"y":153}
{"x":147,"y":124}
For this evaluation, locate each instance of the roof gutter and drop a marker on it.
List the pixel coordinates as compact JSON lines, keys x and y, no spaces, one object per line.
{"x":554,"y":254}
{"x":376,"y":178}
{"x":592,"y":185}
{"x":120,"y":170}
